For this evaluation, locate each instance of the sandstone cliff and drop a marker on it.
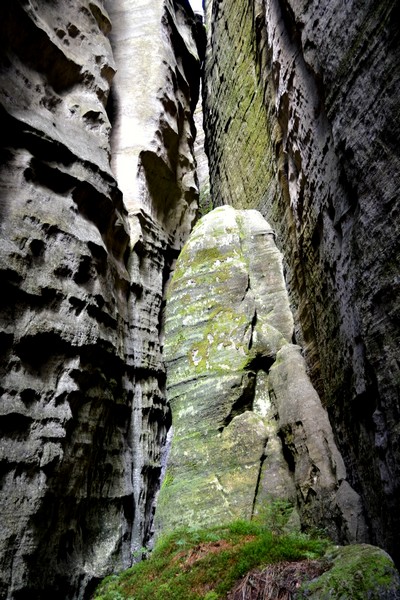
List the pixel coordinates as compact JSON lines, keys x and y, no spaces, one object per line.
{"x":85,"y":250}
{"x":98,"y":194}
{"x":301,"y":123}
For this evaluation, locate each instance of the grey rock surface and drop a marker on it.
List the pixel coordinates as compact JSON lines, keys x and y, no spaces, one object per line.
{"x":248,"y":426}
{"x":305,"y":94}
{"x":155,"y":92}
{"x":82,"y":413}
{"x":98,"y":192}
{"x":202,"y":169}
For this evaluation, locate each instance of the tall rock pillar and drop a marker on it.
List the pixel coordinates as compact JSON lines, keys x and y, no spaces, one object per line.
{"x":154,"y":95}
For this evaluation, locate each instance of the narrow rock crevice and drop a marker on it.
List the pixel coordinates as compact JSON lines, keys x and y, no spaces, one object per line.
{"x":259,"y":480}
{"x":253,"y":326}
{"x":285,"y":436}
{"x":244,"y":402}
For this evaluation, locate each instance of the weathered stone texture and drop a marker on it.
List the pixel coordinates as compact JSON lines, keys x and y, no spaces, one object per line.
{"x":241,"y":400}
{"x":83,"y":413}
{"x":155,"y":91}
{"x":202,"y":170}
{"x":327,"y":75}
{"x":238,"y":128}
{"x":63,"y":319}
{"x":154,"y":94}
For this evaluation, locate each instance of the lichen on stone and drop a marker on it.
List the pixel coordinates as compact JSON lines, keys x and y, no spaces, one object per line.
{"x":241,"y":400}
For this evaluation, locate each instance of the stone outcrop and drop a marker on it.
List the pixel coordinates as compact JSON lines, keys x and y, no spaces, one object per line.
{"x":248,"y":425}
{"x":356,"y":571}
{"x":153,"y":130}
{"x":85,"y":250}
{"x":305,"y":94}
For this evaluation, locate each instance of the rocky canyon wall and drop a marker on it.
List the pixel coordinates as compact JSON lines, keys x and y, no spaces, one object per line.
{"x":98,"y":194}
{"x":301,"y":115}
{"x":86,"y":246}
{"x":154,"y":96}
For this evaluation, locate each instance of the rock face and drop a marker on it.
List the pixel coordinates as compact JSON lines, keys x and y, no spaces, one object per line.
{"x":248,"y":425}
{"x":153,"y":133}
{"x":153,"y":158}
{"x":83,"y":413}
{"x":304,"y":93}
{"x":99,"y":193}
{"x":202,"y":168}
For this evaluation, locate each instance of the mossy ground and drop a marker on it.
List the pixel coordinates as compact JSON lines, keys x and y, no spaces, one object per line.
{"x":205,"y":564}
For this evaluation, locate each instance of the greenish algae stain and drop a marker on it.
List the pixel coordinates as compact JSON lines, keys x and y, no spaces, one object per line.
{"x":210,"y":349}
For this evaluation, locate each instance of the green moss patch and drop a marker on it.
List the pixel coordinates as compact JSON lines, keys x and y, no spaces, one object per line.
{"x":358,"y":572}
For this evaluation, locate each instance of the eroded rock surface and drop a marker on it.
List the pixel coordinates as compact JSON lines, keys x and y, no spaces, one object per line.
{"x":82,"y":412}
{"x":154,"y":95}
{"x":248,"y":426}
{"x":304,"y":93}
{"x":64,"y":409}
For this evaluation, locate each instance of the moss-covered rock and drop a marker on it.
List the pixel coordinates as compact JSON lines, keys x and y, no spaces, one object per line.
{"x":302,"y":123}
{"x":359,"y":572}
{"x":219,"y":331}
{"x":248,"y":424}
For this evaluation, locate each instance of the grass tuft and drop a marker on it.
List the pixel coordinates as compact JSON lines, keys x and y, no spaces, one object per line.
{"x":204,"y":564}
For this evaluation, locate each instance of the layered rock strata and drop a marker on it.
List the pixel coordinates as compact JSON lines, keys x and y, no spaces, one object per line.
{"x":305,"y":94}
{"x":83,"y":413}
{"x":247,"y":424}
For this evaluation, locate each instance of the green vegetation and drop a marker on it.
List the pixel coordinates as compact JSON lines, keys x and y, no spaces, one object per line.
{"x":205,"y":564}
{"x":205,"y":200}
{"x":275,"y":514}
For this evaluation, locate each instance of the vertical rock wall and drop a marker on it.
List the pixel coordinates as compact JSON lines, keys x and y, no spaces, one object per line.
{"x":82,"y":412}
{"x":238,"y":127}
{"x":324,"y":77}
{"x":154,"y":95}
{"x":202,"y":169}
